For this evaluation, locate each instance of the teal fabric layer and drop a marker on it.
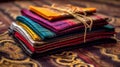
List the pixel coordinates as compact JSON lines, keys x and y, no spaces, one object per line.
{"x":37,"y":28}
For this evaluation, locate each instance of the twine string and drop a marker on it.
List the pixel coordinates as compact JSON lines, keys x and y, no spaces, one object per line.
{"x":77,"y":16}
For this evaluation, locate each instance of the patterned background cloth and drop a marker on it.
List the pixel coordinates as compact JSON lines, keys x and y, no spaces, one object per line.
{"x":102,"y":55}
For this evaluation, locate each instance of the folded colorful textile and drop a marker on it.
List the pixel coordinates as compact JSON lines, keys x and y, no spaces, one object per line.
{"x":20,"y":43}
{"x":38,"y":53}
{"x":33,"y":35}
{"x":69,"y":25}
{"x":19,"y":29}
{"x":52,"y":14}
{"x":89,"y":43}
{"x":51,"y":46}
{"x":23,"y":46}
{"x":67,"y":40}
{"x":25,"y":41}
{"x":38,"y":29}
{"x":36,"y":32}
{"x":23,"y":32}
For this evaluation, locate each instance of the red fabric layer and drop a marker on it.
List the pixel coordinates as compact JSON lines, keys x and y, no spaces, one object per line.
{"x":19,"y":36}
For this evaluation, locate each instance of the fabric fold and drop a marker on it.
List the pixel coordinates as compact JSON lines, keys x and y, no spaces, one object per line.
{"x":33,"y":35}
{"x":59,"y":44}
{"x":67,"y":40}
{"x":38,"y":29}
{"x":52,"y":14}
{"x":23,"y":32}
{"x":69,"y":25}
{"x":52,"y":28}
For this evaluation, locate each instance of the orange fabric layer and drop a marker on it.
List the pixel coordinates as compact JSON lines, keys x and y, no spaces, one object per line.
{"x":52,"y":14}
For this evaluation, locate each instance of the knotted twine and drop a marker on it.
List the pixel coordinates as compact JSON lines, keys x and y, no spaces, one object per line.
{"x":77,"y":16}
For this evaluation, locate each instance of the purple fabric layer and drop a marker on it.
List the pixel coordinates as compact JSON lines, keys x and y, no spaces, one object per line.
{"x":61,"y":26}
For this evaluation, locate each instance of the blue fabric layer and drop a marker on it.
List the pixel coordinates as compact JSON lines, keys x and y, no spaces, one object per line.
{"x":37,"y":28}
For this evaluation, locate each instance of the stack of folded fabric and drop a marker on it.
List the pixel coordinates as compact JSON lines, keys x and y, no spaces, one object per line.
{"x":42,"y":29}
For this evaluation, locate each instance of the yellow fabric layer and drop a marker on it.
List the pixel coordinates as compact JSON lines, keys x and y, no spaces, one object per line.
{"x":45,"y":12}
{"x":51,"y":14}
{"x":33,"y":35}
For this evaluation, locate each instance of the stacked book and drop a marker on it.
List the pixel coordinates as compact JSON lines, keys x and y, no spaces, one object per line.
{"x":52,"y":28}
